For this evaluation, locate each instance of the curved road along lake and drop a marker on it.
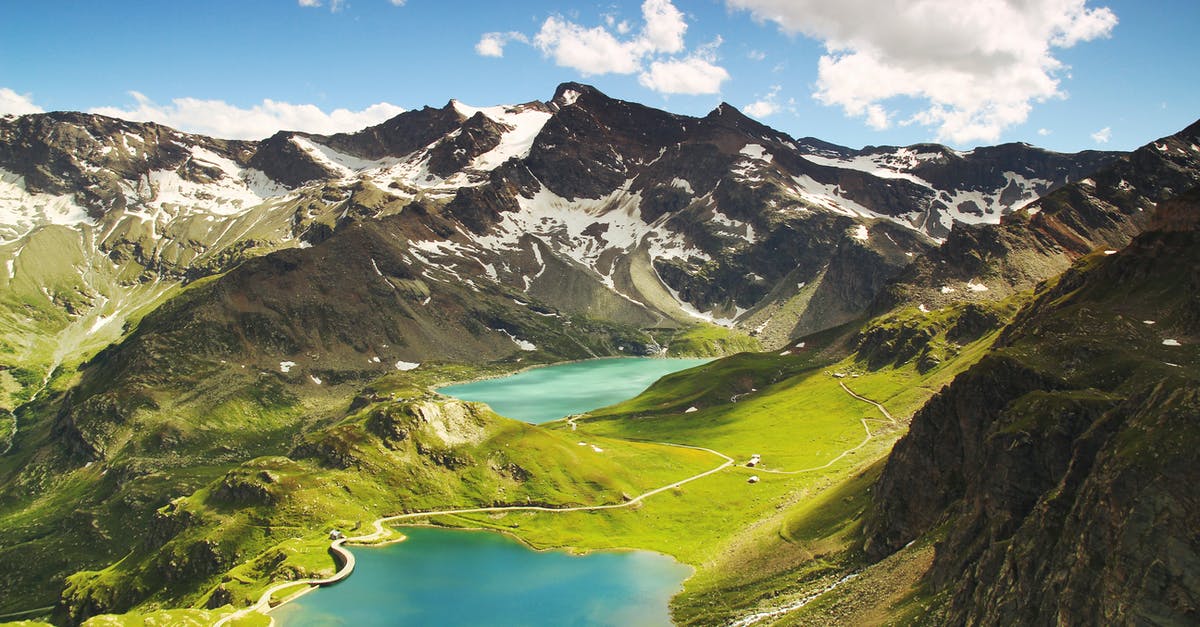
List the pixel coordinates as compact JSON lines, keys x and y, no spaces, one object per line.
{"x":454,"y":577}
{"x":544,"y":394}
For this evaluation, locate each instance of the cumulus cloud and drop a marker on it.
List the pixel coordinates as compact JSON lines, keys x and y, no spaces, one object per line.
{"x":978,"y":66}
{"x":1044,"y":132}
{"x":656,"y":53}
{"x":12,"y":103}
{"x":492,"y":44}
{"x":1103,"y":135}
{"x":693,"y":75}
{"x":766,"y":106}
{"x":878,"y":117}
{"x":589,"y":50}
{"x":221,"y":119}
{"x":664,"y":26}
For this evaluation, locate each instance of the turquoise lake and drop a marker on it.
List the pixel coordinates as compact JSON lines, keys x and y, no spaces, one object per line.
{"x":454,"y":577}
{"x":543,"y":394}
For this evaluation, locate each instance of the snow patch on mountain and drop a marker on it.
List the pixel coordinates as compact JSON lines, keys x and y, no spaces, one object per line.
{"x":524,"y":124}
{"x":737,"y":227}
{"x":568,"y":97}
{"x":881,"y":166}
{"x":165,"y":190}
{"x":256,"y":183}
{"x":345,"y":166}
{"x":679,"y":183}
{"x":827,"y":196}
{"x":581,"y":229}
{"x":521,"y":344}
{"x":22,"y":211}
{"x":756,"y":152}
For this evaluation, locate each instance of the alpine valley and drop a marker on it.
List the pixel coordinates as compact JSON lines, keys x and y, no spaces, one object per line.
{"x":949,"y":388}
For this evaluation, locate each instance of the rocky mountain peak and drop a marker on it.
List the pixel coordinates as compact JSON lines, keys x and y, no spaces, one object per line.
{"x":729,"y":116}
{"x":567,"y":94}
{"x":723,"y":109}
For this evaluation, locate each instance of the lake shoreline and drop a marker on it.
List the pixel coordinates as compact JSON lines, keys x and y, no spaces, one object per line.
{"x":551,"y":392}
{"x":584,"y":390}
{"x":508,"y":373}
{"x":569,"y":586}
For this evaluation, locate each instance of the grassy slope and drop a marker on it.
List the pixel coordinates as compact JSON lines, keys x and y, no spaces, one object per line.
{"x":755,"y":544}
{"x":179,"y":437}
{"x":264,"y":520}
{"x":787,"y":409}
{"x":709,"y":341}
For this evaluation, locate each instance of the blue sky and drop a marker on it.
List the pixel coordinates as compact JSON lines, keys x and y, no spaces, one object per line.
{"x":1064,"y":74}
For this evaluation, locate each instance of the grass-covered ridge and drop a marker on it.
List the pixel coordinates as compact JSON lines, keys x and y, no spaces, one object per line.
{"x":799,"y":526}
{"x":234,"y":474}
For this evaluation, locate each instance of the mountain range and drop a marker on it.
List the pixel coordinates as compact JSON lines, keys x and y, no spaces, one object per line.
{"x":176,"y":305}
{"x":646,"y":217}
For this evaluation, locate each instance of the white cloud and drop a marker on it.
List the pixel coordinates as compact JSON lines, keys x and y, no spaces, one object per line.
{"x":1044,"y":132}
{"x":220,"y":119}
{"x":397,"y":3}
{"x":600,"y":50}
{"x":492,"y":44}
{"x":589,"y":50}
{"x":12,"y":103}
{"x":756,"y":55}
{"x":766,"y":106}
{"x":878,"y":118}
{"x":978,"y":66}
{"x":1103,"y":135}
{"x":664,"y":26}
{"x":310,"y":3}
{"x":693,"y":75}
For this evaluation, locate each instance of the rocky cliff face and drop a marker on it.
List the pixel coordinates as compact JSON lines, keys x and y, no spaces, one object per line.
{"x":1061,"y":467}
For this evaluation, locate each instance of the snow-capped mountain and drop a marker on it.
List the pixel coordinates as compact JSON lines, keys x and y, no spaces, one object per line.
{"x":583,"y":203}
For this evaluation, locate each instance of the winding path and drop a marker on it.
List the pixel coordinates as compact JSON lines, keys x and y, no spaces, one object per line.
{"x":344,"y":555}
{"x":380,"y":532}
{"x":883,"y":410}
{"x":36,"y":610}
{"x":263,"y":604}
{"x":757,"y":617}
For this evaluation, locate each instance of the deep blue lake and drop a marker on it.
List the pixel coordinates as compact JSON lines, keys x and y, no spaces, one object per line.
{"x":543,"y":394}
{"x":454,"y":577}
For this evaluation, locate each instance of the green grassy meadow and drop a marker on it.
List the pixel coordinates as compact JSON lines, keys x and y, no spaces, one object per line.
{"x":230,"y":529}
